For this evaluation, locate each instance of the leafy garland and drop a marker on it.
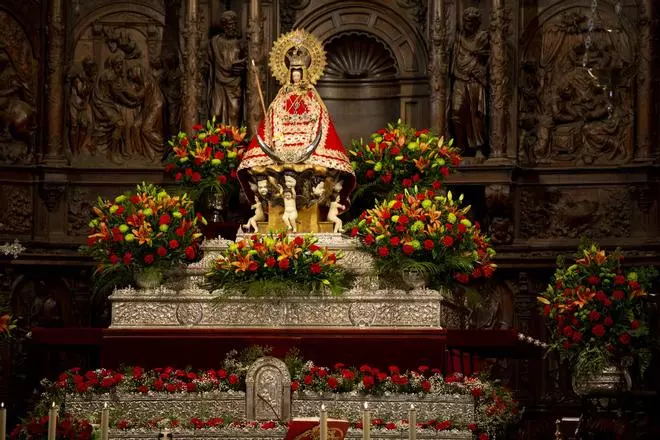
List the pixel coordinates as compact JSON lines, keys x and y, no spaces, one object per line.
{"x":276,"y":265}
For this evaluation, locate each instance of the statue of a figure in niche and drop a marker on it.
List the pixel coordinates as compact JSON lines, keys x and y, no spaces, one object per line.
{"x":16,"y":102}
{"x":227,"y":60}
{"x":147,"y":129}
{"x":81,"y":80}
{"x":171,"y":86}
{"x":469,"y":72}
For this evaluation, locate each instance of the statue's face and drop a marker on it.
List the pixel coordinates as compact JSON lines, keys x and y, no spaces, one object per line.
{"x":288,"y":195}
{"x":296,"y":76}
{"x":230,"y":26}
{"x":262,"y":187}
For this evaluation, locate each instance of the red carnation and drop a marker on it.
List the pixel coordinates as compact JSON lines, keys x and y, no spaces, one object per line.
{"x":383,"y":251}
{"x":408,"y":249}
{"x":284,"y":264}
{"x":197,"y":127}
{"x":127,"y":259}
{"x":472,"y":427}
{"x":161,"y":251}
{"x":222,"y":179}
{"x":593,"y":279}
{"x":149,"y":258}
{"x":368,"y":381}
{"x":395,"y":241}
{"x":347,"y":374}
{"x":428,"y":245}
{"x":577,"y":336}
{"x":295,"y":385}
{"x":598,"y":330}
{"x":618,"y":295}
{"x":222,"y":374}
{"x":462,"y":278}
{"x":403,"y":220}
{"x":608,"y":321}
{"x":370,"y":174}
{"x":369,"y":239}
{"x":619,"y":279}
{"x":436,"y":185}
{"x":567,"y":331}
{"x":332,"y":382}
{"x":253,"y":266}
{"x":308,"y":379}
{"x":114,"y":259}
{"x":354,"y":232}
{"x":447,"y":240}
{"x":386,"y":178}
{"x":426,"y":386}
{"x":178,"y":176}
{"x":477,"y":392}
{"x":190,"y":253}
{"x":594,"y":315}
{"x":173,"y":244}
{"x":624,"y":338}
{"x":315,"y":268}
{"x":270,"y":262}
{"x":164,"y":219}
{"x":298,"y":241}
{"x":407,"y":183}
{"x":634,"y":325}
{"x":233,"y":379}
{"x":219,"y":155}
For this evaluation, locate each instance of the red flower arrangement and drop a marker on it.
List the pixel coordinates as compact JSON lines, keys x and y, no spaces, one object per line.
{"x":400,"y":157}
{"x":145,"y":229}
{"x":207,"y":159}
{"x":594,"y":310}
{"x":422,"y":227}
{"x":68,"y":428}
{"x":275,"y":265}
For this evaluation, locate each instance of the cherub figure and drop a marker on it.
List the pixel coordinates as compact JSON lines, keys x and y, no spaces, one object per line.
{"x":290,"y":212}
{"x":333,"y":213}
{"x":318,"y":191}
{"x":258,"y":216}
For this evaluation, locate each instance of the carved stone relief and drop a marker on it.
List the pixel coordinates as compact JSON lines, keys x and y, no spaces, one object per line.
{"x":356,"y":55}
{"x":575,"y":104}
{"x":288,"y":10}
{"x":417,"y":9}
{"x":227,"y":59}
{"x":18,"y":85}
{"x":117,"y":85}
{"x":16,"y":213}
{"x":268,"y":390}
{"x":79,"y":207}
{"x":500,"y":221}
{"x":558,"y":212}
{"x":469,"y":75}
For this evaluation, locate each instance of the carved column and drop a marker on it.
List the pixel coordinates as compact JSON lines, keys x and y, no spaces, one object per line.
{"x":190,"y":114}
{"x":255,"y":78}
{"x":439,"y":69}
{"x":498,"y":82}
{"x":55,"y":91}
{"x":644,"y":84}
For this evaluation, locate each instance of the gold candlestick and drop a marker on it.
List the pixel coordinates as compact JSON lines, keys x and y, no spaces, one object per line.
{"x":412,"y":423}
{"x":3,"y":421}
{"x":366,"y":422}
{"x":323,"y":428}
{"x":52,"y":422}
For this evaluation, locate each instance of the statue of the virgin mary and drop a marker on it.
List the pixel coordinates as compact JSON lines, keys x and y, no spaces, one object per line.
{"x":297,"y":138}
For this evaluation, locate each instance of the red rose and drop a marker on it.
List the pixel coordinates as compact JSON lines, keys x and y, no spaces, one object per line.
{"x":127,"y":259}
{"x":477,"y":392}
{"x":368,"y":240}
{"x":634,"y":325}
{"x":315,"y":268}
{"x":444,"y":171}
{"x":436,"y":185}
{"x":447,"y":240}
{"x":347,"y":374}
{"x":189,"y":172}
{"x":298,"y":241}
{"x":149,"y":258}
{"x":598,"y":330}
{"x":619,"y":279}
{"x":395,"y":241}
{"x":178,"y":176}
{"x":593,"y":279}
{"x":143,"y":389}
{"x":354,"y":232}
{"x":164,"y":219}
{"x":618,"y":295}
{"x":161,"y":251}
{"x":190,"y":253}
{"x":114,"y":259}
{"x":407,"y":183}
{"x":219,"y":155}
{"x":368,"y":381}
{"x":370,"y":174}
{"x":107,"y":382}
{"x":403,"y":220}
{"x":197,"y":127}
{"x":624,"y":338}
{"x":233,"y":379}
{"x":270,"y":262}
{"x":383,"y":251}
{"x":608,"y":321}
{"x":386,"y":178}
{"x":428,"y":245}
{"x":426,"y":386}
{"x":594,"y":315}
{"x":577,"y":336}
{"x":158,"y":385}
{"x":397,"y":205}
{"x":173,"y":244}
{"x":295,"y":385}
{"x":222,"y":374}
{"x":408,"y":249}
{"x":222,"y":179}
{"x":393,"y":369}
{"x":191,"y":387}
{"x":332,"y":382}
{"x":308,"y":379}
{"x":253,"y":266}
{"x":284,"y":264}
{"x":120,"y":210}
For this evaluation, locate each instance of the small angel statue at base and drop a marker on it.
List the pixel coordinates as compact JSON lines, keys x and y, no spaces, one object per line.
{"x":258,"y":216}
{"x":333,"y":212}
{"x":290,"y":212}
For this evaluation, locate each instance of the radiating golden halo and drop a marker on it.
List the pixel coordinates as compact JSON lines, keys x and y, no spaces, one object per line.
{"x":298,"y":39}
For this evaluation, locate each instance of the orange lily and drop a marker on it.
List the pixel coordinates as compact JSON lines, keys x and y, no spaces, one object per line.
{"x":103,"y":234}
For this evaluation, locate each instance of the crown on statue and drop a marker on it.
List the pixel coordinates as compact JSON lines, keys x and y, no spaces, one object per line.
{"x":297,"y":59}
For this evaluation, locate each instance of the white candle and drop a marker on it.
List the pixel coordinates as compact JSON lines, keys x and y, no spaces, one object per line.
{"x":105,"y":421}
{"x":52,"y":422}
{"x":412,"y":423}
{"x":366,"y":422}
{"x":323,"y":429}
{"x":3,"y":421}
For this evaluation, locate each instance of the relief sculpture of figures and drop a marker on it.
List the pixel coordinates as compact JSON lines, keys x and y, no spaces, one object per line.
{"x":81,"y":80}
{"x":227,"y":65}
{"x":469,"y":73}
{"x":16,"y":106}
{"x":171,"y":86}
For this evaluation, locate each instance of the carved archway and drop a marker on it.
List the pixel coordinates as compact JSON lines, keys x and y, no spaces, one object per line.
{"x":379,"y":19}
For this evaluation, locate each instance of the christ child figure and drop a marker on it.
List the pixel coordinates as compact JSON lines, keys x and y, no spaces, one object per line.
{"x":290,"y":212}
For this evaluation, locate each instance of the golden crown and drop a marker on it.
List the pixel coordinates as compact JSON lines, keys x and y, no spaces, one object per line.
{"x":297,"y":59}
{"x":297,"y":49}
